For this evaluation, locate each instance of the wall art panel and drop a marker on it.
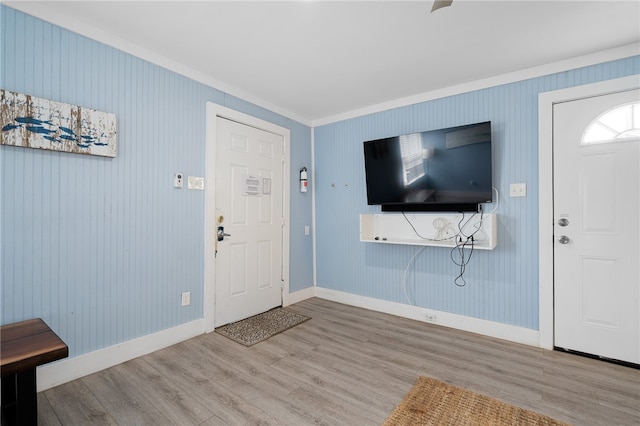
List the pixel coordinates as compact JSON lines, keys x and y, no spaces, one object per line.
{"x":33,"y":122}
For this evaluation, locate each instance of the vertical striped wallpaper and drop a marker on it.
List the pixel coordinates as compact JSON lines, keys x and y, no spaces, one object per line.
{"x":502,"y":285}
{"x":101,"y":248}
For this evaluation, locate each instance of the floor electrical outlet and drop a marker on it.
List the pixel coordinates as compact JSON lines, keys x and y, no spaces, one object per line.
{"x":431,"y":317}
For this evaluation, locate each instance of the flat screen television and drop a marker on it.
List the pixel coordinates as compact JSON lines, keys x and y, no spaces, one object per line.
{"x":437,"y":170}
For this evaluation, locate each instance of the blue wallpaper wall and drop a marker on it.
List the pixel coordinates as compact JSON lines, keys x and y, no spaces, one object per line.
{"x":502,"y":285}
{"x":102,"y":248}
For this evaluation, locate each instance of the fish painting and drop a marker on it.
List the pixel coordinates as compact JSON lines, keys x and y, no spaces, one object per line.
{"x":8,"y":127}
{"x":31,"y":122}
{"x":66,"y":130}
{"x":52,"y":139}
{"x":39,"y":129}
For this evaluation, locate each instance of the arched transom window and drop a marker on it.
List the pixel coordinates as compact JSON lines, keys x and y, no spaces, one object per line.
{"x":614,"y":125}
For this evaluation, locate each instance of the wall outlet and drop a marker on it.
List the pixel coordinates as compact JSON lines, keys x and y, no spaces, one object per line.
{"x":186,"y":298}
{"x":431,"y":317}
{"x":518,"y":190}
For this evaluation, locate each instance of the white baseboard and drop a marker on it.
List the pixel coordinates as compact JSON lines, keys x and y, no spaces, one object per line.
{"x":68,"y":369}
{"x":498,"y":330}
{"x":298,"y":296}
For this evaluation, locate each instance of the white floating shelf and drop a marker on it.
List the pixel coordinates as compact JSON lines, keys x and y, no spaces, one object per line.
{"x":431,"y":229}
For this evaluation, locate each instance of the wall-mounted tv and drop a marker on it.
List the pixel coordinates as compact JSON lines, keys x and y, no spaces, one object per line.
{"x":436,"y":170}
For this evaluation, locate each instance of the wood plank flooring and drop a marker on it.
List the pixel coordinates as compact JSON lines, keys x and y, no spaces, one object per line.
{"x":345,"y":366}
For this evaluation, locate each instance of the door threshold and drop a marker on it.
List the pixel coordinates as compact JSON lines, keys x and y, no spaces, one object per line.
{"x":598,"y":357}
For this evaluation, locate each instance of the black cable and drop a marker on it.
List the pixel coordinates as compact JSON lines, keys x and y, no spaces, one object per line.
{"x":461,"y":245}
{"x":460,"y":249}
{"x":418,"y":234}
{"x":413,"y":227}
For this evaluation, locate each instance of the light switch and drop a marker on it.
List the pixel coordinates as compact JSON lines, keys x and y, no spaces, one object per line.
{"x":186,"y":298}
{"x":194,"y":182}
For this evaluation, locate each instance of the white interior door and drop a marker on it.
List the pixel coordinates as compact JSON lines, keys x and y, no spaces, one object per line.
{"x":250,"y":209}
{"x":596,"y":230}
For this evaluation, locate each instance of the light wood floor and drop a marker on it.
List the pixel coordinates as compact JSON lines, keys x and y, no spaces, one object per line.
{"x":345,"y":366}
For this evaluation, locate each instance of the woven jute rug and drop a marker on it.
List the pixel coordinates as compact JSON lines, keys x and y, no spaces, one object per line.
{"x":260,"y":327}
{"x":432,"y":402}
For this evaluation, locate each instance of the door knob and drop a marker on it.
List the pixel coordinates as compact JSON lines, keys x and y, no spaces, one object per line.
{"x":563,"y":221}
{"x":222,"y":234}
{"x":563,"y":239}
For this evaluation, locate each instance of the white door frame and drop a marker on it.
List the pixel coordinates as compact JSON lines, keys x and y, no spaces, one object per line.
{"x":546,"y":101}
{"x":213,"y":112}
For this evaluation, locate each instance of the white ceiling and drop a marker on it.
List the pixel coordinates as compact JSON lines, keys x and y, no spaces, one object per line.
{"x":313,"y":60}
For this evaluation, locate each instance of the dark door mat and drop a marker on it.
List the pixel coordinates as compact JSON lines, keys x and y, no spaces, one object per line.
{"x":260,"y":327}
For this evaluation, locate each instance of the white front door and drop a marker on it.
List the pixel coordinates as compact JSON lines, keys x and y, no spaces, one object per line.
{"x":597,"y":225}
{"x":249,"y":207}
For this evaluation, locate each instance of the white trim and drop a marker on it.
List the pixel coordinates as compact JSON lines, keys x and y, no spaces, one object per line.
{"x":299,"y":296}
{"x":552,"y":68}
{"x":313,"y":207}
{"x":546,"y":101}
{"x":47,"y":11}
{"x":498,"y":330}
{"x":213,"y":112}
{"x":68,"y":369}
